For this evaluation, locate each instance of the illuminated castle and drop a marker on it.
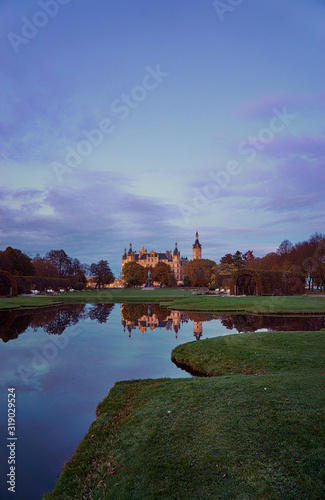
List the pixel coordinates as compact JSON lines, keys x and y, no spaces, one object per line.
{"x":173,"y":259}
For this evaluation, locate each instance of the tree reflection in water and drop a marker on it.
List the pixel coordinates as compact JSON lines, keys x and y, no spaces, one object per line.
{"x":55,"y":320}
{"x":100,"y":312}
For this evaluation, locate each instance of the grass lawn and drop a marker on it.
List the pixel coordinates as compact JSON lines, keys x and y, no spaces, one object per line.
{"x":21,"y":302}
{"x":103,"y":296}
{"x":228,"y":437}
{"x":247,"y":305}
{"x":179,"y":299}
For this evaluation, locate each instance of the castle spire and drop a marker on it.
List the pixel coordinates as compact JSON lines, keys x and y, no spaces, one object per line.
{"x":197,"y":248}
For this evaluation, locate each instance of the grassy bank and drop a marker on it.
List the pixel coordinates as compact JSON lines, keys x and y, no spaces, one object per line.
{"x":128,"y":295}
{"x":254,"y":354}
{"x":181,"y":300}
{"x":21,"y":302}
{"x":250,"y":305}
{"x":231,"y":437}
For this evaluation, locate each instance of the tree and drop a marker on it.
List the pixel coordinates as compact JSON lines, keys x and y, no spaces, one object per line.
{"x":16,"y":262}
{"x":163,"y":274}
{"x":227,"y":259}
{"x":44,"y":267}
{"x":284,"y":248}
{"x":61,"y":260}
{"x":248,"y":257}
{"x":198,"y":272}
{"x":238,"y":260}
{"x":102,"y":273}
{"x":134,"y":274}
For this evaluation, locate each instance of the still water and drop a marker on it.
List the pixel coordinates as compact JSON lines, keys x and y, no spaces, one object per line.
{"x":63,"y":361}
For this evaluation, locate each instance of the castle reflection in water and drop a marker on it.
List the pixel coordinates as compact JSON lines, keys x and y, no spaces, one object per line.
{"x":155,"y":317}
{"x":55,"y":320}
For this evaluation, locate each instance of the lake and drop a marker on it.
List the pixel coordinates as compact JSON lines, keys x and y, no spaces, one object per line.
{"x":62,"y":361}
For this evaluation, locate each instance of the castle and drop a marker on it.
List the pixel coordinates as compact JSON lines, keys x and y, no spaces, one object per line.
{"x":173,"y":259}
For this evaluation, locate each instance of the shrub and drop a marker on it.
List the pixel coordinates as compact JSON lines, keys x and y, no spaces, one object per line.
{"x":42,"y":284}
{"x":24,"y":284}
{"x":8,"y":285}
{"x":250,"y":282}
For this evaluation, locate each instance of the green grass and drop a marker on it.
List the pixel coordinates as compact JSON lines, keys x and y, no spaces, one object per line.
{"x":181,"y":300}
{"x":231,"y":437}
{"x":27,"y":302}
{"x":254,"y":354}
{"x":247,"y":305}
{"x":105,"y":297}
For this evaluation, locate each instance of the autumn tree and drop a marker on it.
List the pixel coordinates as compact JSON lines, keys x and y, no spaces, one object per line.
{"x":44,"y":267}
{"x":227,"y":259}
{"x":238,"y":259}
{"x":134,"y":274}
{"x":163,"y":273}
{"x":248,"y":258}
{"x":61,"y":260}
{"x":102,"y":273}
{"x":198,"y":272}
{"x":16,"y":262}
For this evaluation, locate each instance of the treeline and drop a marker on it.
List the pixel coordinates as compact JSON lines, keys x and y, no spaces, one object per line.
{"x":305,"y":259}
{"x":56,"y":270}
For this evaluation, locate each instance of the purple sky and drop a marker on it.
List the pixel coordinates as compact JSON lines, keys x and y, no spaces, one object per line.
{"x":144,"y":121}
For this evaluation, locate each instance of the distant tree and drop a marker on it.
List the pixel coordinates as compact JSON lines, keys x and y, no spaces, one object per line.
{"x":316,"y":239}
{"x":227,"y":259}
{"x":285,"y":247}
{"x":102,"y":273}
{"x":134,"y":274}
{"x":198,"y":272}
{"x":44,"y":267}
{"x":248,"y":257}
{"x":61,"y":260}
{"x":270,"y":262}
{"x":163,"y":274}
{"x":238,"y":260}
{"x":16,"y":262}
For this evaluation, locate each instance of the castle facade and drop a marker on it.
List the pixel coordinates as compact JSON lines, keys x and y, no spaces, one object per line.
{"x":172,"y":258}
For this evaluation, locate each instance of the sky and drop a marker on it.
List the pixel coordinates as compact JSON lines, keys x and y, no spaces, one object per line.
{"x":144,"y":121}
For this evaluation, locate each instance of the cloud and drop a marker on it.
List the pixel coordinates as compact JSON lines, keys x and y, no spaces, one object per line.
{"x":262,"y":107}
{"x":91,"y":216}
{"x":293,"y":145}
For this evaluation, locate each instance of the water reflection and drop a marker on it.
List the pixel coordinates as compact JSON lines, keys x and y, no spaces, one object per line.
{"x":70,"y":356}
{"x":143,"y":317}
{"x":252,"y":323}
{"x":54,"y":320}
{"x":150,"y":317}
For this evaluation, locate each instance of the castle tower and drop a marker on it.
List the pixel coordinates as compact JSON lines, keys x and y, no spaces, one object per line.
{"x":176,"y":254}
{"x":197,"y":329}
{"x":197,"y":248}
{"x":176,"y":266}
